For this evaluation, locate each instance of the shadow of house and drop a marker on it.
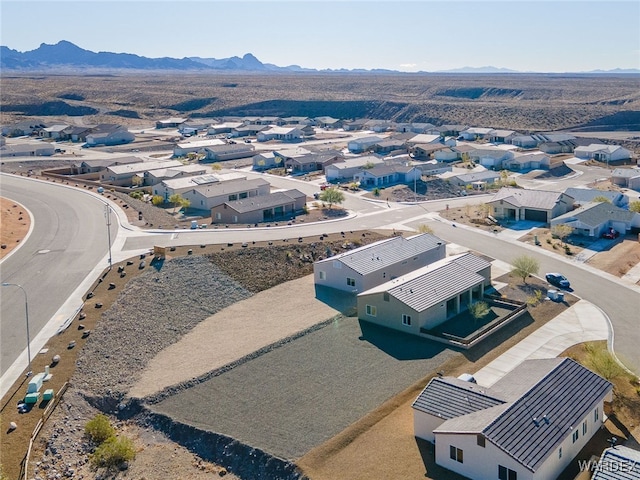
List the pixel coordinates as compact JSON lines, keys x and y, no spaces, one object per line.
{"x":399,"y":345}
{"x":340,"y":300}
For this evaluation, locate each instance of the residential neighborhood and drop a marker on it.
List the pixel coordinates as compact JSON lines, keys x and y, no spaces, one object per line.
{"x":390,"y":196}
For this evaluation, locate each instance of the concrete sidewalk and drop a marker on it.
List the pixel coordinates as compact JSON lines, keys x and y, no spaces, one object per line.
{"x":583,"y":322}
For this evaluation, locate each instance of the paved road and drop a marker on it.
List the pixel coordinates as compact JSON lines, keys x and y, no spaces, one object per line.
{"x":69,"y":239}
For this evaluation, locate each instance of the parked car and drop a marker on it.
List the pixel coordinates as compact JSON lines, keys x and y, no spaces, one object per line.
{"x":557,"y":280}
{"x":611,"y":234}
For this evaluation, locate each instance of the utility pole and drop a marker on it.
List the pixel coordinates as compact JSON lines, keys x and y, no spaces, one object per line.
{"x":26,"y":316}
{"x":107,"y":216}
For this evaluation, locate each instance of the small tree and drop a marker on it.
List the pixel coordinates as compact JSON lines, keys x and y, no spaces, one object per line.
{"x":523,"y":266}
{"x":99,"y":428}
{"x":185,"y":203}
{"x":368,"y":166}
{"x":157,"y":200}
{"x":634,"y":206}
{"x":504,"y":176}
{"x":332,"y":196}
{"x":114,"y":452}
{"x":176,"y":200}
{"x":562,"y":231}
{"x":216,"y":166}
{"x":602,"y":362}
{"x":136,"y":181}
{"x":376,"y":192}
{"x":424,"y":228}
{"x":601,"y":199}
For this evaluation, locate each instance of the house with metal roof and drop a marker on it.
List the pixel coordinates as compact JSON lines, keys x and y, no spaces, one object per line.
{"x":172,"y":122}
{"x":197,"y":146}
{"x":359,"y":145}
{"x":595,"y":218}
{"x":263,"y":208}
{"x":586,"y":195}
{"x":626,"y":177}
{"x":617,"y":463}
{"x":490,"y":157}
{"x":328,"y":122}
{"x":476,"y":133}
{"x":522,"y":162}
{"x":424,"y":298}
{"x":312,"y":162}
{"x":154,"y":177}
{"x":365,"y":267}
{"x":109,"y":134}
{"x":529,"y":425}
{"x":180,"y":185}
{"x":220,"y":153}
{"x":502,"y":136}
{"x":345,"y":170}
{"x":602,"y":152}
{"x":536,"y":205}
{"x":123,"y":173}
{"x":210,"y":195}
{"x":283,"y":134}
{"x":476,"y":179}
{"x":387,"y":175}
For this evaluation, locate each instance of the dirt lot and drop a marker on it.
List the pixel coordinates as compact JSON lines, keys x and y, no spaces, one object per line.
{"x":431,"y":189}
{"x":624,"y":254}
{"x":14,"y":225}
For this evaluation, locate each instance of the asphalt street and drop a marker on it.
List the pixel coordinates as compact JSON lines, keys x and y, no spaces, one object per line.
{"x":68,"y":240}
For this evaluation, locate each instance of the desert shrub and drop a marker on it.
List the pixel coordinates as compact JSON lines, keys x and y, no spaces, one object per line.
{"x":113,"y":452}
{"x":602,"y":362}
{"x":479,"y":310}
{"x":136,"y":195}
{"x":376,"y":192}
{"x":99,"y":428}
{"x":423,"y":228}
{"x":549,"y":241}
{"x":534,"y":299}
{"x":157,"y":200}
{"x":524,"y":265}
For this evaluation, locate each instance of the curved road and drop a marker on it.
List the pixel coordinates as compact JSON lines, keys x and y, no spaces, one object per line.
{"x":68,"y":240}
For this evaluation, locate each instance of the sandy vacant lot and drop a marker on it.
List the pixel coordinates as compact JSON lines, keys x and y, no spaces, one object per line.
{"x":14,"y":225}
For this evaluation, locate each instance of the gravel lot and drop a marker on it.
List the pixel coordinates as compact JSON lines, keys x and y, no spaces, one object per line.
{"x":155,"y":310}
{"x":297,"y":396}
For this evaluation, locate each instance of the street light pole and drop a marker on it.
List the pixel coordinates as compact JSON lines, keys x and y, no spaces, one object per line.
{"x":107,"y":215}
{"x":26,"y":313}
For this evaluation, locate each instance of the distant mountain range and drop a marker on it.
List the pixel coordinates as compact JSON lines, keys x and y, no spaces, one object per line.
{"x":65,"y":56}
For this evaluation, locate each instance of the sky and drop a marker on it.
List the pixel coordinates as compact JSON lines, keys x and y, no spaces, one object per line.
{"x":409,"y":36}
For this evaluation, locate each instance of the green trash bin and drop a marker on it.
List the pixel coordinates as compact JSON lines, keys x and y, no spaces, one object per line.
{"x":32,"y":398}
{"x":48,"y":394}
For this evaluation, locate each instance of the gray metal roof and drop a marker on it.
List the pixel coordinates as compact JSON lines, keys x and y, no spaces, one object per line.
{"x":583,"y":195}
{"x":626,"y":172}
{"x":435,"y":286}
{"x":521,"y":197}
{"x":478,"y":176}
{"x":563,"y":397}
{"x":597,"y":213}
{"x":259,"y":202}
{"x":619,"y":463}
{"x":379,"y":255}
{"x":450,"y":398}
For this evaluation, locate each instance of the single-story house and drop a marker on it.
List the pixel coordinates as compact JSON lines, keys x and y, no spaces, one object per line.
{"x":95,"y":166}
{"x":359,"y":145}
{"x":626,"y":177}
{"x":446,"y":154}
{"x":312,"y":162}
{"x":277,"y":158}
{"x":378,"y":126}
{"x":387,"y":175}
{"x":226,"y":127}
{"x":392,"y":145}
{"x":328,"y":122}
{"x":198,"y":146}
{"x":536,"y":205}
{"x":586,"y":195}
{"x":220,"y":153}
{"x":357,"y":124}
{"x":124,"y":173}
{"x":39,"y":149}
{"x":298,"y":121}
{"x":527,"y":161}
{"x":21,"y":129}
{"x":264,"y":208}
{"x":418,"y":127}
{"x":154,"y":177}
{"x":478,"y":180}
{"x":365,"y":267}
{"x":267,"y":120}
{"x":618,"y":463}
{"x":602,"y":153}
{"x":427,"y":151}
{"x":423,"y":298}
{"x":76,"y":133}
{"x":109,"y":134}
{"x":424,"y":139}
{"x":434,"y":167}
{"x":206,"y":197}
{"x":535,"y":139}
{"x":490,"y":157}
{"x":173,"y":122}
{"x":193,"y":128}
{"x":345,"y":170}
{"x":475,"y":133}
{"x":283,"y":134}
{"x":501,"y":136}
{"x":595,"y":218}
{"x":57,"y":132}
{"x":451,"y":130}
{"x":180,"y":185}
{"x":529,"y":425}
{"x":247,"y":130}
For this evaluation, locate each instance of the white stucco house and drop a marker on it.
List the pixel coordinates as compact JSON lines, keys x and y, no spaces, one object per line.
{"x":627,"y":178}
{"x":527,"y":426}
{"x":283,"y":134}
{"x":386,"y":175}
{"x":359,"y":145}
{"x":348,"y":168}
{"x":535,"y":205}
{"x":595,"y":218}
{"x":602,"y":152}
{"x":365,"y":267}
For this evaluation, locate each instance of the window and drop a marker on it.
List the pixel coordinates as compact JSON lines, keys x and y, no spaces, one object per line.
{"x":406,"y":319}
{"x":560,"y":452}
{"x":351,"y":282}
{"x":218,"y":216}
{"x":456,"y":454}
{"x":235,"y":219}
{"x":337,"y":264}
{"x":575,"y":436}
{"x":481,"y":440}
{"x":372,"y":311}
{"x":505,"y":473}
{"x":244,"y":195}
{"x":595,"y":415}
{"x":385,"y":296}
{"x":323,"y":275}
{"x":233,"y":197}
{"x":584,"y":428}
